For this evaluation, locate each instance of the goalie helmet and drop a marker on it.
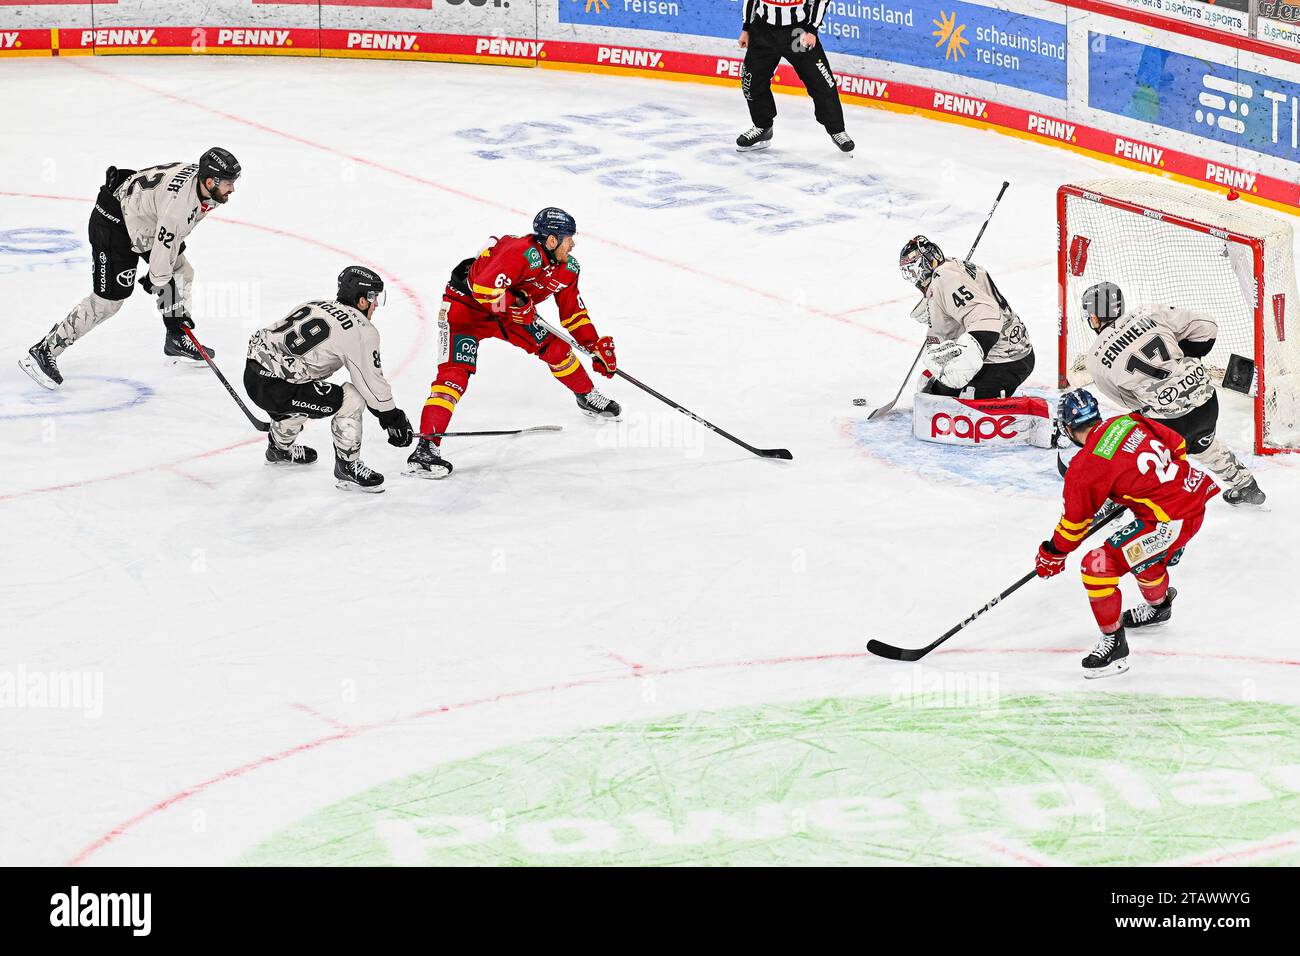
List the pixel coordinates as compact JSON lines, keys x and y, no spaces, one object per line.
{"x":918,"y":260}
{"x":1104,"y":302}
{"x":1076,"y":410}
{"x":358,"y":281}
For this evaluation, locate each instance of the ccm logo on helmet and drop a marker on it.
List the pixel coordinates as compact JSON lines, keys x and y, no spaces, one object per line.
{"x":979,"y":429}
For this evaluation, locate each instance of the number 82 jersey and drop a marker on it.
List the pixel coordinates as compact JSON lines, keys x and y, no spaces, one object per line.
{"x":1138,"y":463}
{"x":319,"y":338}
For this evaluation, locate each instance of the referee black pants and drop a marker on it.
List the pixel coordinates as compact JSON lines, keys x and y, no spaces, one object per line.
{"x":767,"y":45}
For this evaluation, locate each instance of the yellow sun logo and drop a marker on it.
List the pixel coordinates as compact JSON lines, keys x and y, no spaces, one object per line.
{"x":950,"y":34}
{"x":596,"y":5}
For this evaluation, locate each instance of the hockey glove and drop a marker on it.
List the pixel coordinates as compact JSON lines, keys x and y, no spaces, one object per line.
{"x":1050,"y":562}
{"x":955,"y":362}
{"x":400,"y":433}
{"x":603,"y":359}
{"x":521,"y":308}
{"x":170,"y":305}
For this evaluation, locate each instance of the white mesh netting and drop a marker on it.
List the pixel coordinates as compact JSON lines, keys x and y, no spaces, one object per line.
{"x":1165,"y":261}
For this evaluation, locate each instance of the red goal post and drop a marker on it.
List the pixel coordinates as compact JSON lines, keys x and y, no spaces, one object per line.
{"x":1168,"y":244}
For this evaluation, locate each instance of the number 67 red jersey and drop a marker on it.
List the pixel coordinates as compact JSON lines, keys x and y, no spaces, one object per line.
{"x":1138,"y":463}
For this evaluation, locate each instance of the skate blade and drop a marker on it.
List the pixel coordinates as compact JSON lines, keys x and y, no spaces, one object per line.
{"x":755,"y":148}
{"x":28,"y":365}
{"x":425,"y":474}
{"x":1152,"y":624}
{"x":598,"y":417}
{"x":1110,"y":670}
{"x":353,"y":486}
{"x":178,"y":360}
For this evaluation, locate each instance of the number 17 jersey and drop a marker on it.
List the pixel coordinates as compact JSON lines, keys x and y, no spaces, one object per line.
{"x":1138,"y":361}
{"x":319,"y":338}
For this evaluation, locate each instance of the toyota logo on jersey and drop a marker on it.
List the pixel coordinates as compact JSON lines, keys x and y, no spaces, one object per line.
{"x":983,"y":428}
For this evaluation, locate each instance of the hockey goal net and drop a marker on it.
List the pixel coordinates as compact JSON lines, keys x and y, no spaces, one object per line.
{"x":1167,"y":244}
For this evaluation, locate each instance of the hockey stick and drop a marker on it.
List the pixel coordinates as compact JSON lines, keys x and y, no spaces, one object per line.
{"x":510,"y":431}
{"x":257,"y":423}
{"x":889,"y":651}
{"x":886,"y":409}
{"x":781,"y":453}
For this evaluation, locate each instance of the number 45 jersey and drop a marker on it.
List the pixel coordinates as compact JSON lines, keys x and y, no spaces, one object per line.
{"x":960,"y":298}
{"x":319,"y":338}
{"x":1143,"y":361}
{"x":1138,"y":463}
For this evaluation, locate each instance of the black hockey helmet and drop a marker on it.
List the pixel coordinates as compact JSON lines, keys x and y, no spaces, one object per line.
{"x":358,"y":281}
{"x":1103,"y":301}
{"x":1077,"y":409}
{"x":219,"y":164}
{"x":553,"y":221}
{"x":918,"y":260}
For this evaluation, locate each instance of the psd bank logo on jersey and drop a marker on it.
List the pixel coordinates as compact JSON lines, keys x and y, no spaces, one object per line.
{"x":976,"y":430}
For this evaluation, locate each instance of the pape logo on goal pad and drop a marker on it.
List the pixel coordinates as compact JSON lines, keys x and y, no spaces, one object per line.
{"x":77,"y":909}
{"x":980,"y":429}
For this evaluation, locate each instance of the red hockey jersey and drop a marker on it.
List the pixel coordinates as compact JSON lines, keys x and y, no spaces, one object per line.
{"x":1138,"y":463}
{"x":520,"y":264}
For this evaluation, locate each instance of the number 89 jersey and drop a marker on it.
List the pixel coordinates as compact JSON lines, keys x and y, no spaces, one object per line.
{"x":1138,"y":463}
{"x":319,"y":338}
{"x":961,"y":298}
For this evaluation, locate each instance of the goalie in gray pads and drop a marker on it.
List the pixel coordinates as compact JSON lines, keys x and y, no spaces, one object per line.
{"x":288,"y":367}
{"x":1149,"y":358}
{"x":142,"y":214}
{"x":976,"y":345}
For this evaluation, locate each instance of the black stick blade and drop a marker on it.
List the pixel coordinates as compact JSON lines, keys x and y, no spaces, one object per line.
{"x":890,"y":652}
{"x":782,"y":453}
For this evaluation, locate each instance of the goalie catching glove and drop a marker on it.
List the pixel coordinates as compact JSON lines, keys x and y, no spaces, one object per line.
{"x":603,"y":359}
{"x":954,"y":362}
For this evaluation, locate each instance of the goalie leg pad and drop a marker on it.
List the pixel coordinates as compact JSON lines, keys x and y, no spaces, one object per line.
{"x":982,"y":422}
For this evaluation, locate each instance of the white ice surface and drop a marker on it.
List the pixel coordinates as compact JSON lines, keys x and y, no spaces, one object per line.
{"x":237,"y":612}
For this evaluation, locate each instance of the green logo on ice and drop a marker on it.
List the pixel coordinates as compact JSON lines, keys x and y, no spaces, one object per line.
{"x":921,"y":779}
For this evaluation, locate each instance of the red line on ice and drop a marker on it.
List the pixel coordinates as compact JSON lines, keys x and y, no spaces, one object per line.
{"x":421,"y":334}
{"x":482,"y":200}
{"x":356,"y":730}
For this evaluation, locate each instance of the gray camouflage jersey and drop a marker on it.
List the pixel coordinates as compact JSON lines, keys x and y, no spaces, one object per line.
{"x":161,"y":205}
{"x":1137,"y":362}
{"x":960,"y":298}
{"x":319,"y":338}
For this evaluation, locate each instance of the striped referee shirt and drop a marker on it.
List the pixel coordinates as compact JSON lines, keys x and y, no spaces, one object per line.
{"x":787,"y":13}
